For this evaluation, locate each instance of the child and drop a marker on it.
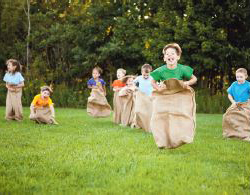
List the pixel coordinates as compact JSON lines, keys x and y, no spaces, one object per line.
{"x":97,"y":105}
{"x":127,"y":98}
{"x":173,"y":116}
{"x":236,"y":120}
{"x":173,"y":70}
{"x":96,"y":82}
{"x":14,"y":84}
{"x":144,"y":82}
{"x":41,"y":108}
{"x":143,"y":100}
{"x":117,"y":85}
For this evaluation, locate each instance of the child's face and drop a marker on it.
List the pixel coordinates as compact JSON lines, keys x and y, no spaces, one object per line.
{"x":10,"y":67}
{"x":171,"y":57}
{"x":241,"y":77}
{"x":130,"y":82}
{"x":145,"y":74}
{"x":45,"y":94}
{"x":95,"y":74}
{"x":120,"y":74}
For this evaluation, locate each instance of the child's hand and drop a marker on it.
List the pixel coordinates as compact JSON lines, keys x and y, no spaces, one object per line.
{"x":32,"y":116}
{"x":186,"y":84}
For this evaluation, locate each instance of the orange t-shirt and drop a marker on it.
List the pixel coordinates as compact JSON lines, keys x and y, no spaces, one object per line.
{"x":118,"y":83}
{"x":38,"y":102}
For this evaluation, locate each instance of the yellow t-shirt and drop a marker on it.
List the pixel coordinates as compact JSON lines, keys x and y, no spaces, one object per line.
{"x":38,"y":102}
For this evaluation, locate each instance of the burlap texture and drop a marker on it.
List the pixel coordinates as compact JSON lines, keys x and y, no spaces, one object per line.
{"x":98,"y":105}
{"x":14,"y":110}
{"x":173,"y":118}
{"x":128,"y":109}
{"x":236,"y":122}
{"x":143,"y":111}
{"x":43,"y":115}
{"x":117,"y":107}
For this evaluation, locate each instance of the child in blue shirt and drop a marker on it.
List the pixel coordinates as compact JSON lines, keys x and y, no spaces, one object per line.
{"x":239,"y":91}
{"x":96,"y":82}
{"x":14,"y":83}
{"x":144,"y":81}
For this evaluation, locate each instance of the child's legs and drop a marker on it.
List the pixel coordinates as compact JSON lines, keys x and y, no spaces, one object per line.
{"x":43,"y":115}
{"x":18,"y":109}
{"x":9,"y":114}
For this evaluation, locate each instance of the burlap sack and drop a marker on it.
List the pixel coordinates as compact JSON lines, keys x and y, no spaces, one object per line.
{"x":98,"y":105}
{"x":43,"y":115}
{"x":128,"y":102}
{"x":117,"y":103}
{"x":173,"y":118}
{"x":14,"y":110}
{"x":236,"y":122}
{"x":143,"y":111}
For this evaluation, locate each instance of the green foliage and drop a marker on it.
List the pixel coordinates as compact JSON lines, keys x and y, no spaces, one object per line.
{"x":211,"y":104}
{"x":83,"y":155}
{"x":69,"y":38}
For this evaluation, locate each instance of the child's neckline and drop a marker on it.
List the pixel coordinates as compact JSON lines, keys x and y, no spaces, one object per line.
{"x":171,"y":68}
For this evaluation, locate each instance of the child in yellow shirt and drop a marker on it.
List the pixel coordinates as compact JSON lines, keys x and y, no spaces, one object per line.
{"x":42,"y":108}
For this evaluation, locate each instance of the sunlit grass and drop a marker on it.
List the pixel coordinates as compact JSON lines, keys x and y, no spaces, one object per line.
{"x":86,"y":155}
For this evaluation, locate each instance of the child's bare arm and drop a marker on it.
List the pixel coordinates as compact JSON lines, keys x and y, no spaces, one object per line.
{"x":32,"y":109}
{"x":20,"y":85}
{"x":104,"y":90}
{"x":192,"y":81}
{"x":155,"y":86}
{"x":230,"y":97}
{"x":52,"y":110}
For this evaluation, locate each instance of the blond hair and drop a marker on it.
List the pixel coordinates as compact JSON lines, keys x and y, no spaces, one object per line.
{"x":46,"y":88}
{"x":174,"y":46}
{"x":122,"y":70}
{"x":147,"y":68}
{"x":98,"y":69}
{"x":242,"y":70}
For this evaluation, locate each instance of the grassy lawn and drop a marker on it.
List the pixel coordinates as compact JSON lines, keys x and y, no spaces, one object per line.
{"x":85,"y":155}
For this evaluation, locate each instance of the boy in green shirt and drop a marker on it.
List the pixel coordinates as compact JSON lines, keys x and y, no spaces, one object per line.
{"x":173,"y":70}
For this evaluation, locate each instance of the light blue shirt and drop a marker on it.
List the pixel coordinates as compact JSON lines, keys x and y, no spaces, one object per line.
{"x":145,"y":85}
{"x":239,"y":92}
{"x":13,"y":79}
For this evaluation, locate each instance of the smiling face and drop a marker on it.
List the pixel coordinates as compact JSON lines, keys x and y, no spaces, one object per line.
{"x":45,"y":94}
{"x":130,"y":82}
{"x":120,"y":74}
{"x":170,"y":56}
{"x":95,"y":74}
{"x":145,"y":74}
{"x":241,"y":77}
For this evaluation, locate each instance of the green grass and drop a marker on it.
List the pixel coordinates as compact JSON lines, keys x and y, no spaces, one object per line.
{"x":85,"y":155}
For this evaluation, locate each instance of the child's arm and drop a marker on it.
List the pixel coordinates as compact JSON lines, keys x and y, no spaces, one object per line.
{"x":230,"y":97}
{"x":104,"y":90}
{"x":32,"y":111}
{"x":192,"y":81}
{"x":52,"y":110}
{"x":20,"y":85}
{"x":155,"y":86}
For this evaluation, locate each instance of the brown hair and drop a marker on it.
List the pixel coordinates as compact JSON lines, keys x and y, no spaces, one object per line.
{"x":122,"y":70}
{"x":98,"y":69}
{"x":174,"y":46}
{"x":242,"y":70}
{"x":147,"y":68}
{"x":125,"y":79}
{"x":14,"y":63}
{"x":47,"y":88}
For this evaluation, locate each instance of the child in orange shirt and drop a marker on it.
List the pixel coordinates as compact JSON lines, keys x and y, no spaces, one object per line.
{"x":42,"y":108}
{"x":117,"y":104}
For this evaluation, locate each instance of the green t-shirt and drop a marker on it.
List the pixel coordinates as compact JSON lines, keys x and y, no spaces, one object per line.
{"x":181,"y":72}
